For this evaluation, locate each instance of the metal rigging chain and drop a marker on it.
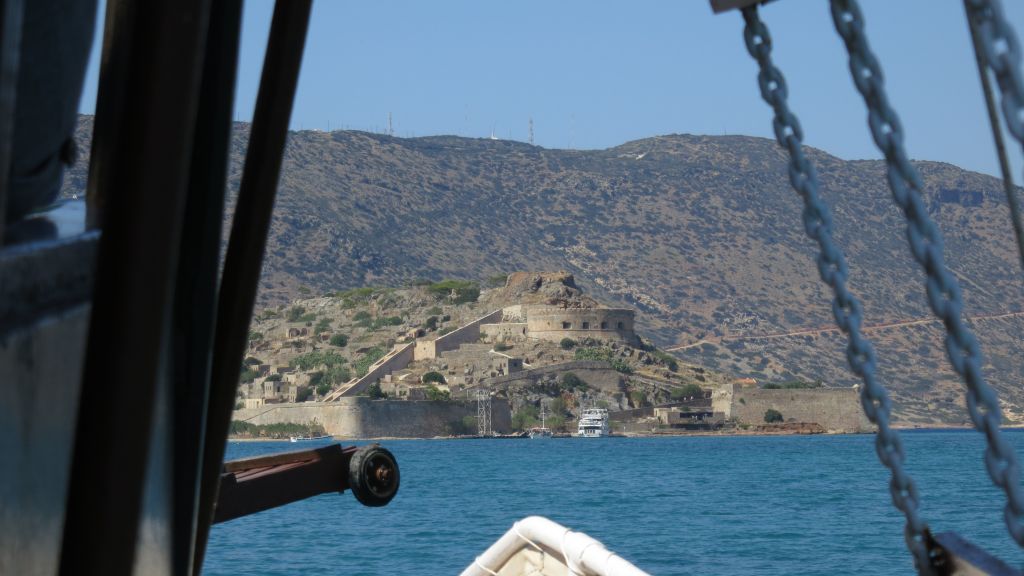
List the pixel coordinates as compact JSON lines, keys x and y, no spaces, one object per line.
{"x":817,"y":219}
{"x":926,"y":246}
{"x":1000,"y":53}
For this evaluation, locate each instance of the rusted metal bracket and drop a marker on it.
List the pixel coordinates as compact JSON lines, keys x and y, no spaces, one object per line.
{"x":256,"y":484}
{"x":952,"y":555}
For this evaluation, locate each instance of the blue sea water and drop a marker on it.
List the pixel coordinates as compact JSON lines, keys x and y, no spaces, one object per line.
{"x":682,"y":505}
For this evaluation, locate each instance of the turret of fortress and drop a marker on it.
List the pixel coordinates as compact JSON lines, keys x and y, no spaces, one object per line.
{"x":553,"y":308}
{"x":554,"y":323}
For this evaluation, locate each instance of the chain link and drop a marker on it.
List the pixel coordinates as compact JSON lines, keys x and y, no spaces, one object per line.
{"x":1002,"y":54}
{"x":997,"y":49}
{"x":926,"y":246}
{"x":817,"y":219}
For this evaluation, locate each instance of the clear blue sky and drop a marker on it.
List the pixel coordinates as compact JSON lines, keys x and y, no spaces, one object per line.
{"x":594,"y":74}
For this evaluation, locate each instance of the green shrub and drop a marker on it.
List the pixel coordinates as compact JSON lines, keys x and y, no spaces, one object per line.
{"x":557,"y":406}
{"x":337,"y":375}
{"x":322,"y":325}
{"x":605,"y":355}
{"x":639,"y":398}
{"x":567,"y":343}
{"x":434,"y":311}
{"x":362,"y":365}
{"x":296,"y":312}
{"x":570,"y":381}
{"x":375,"y":392}
{"x":435,"y":393}
{"x":323,"y":388}
{"x":433,"y":376}
{"x":771,"y":415}
{"x":525,"y":417}
{"x":248,"y":375}
{"x":308,"y":318}
{"x":668,"y":360}
{"x":357,"y":295}
{"x":687,"y":391}
{"x":457,"y":291}
{"x":339,"y":340}
{"x":497,"y":280}
{"x":430,"y":323}
{"x":302,"y":393}
{"x":446,"y":330}
{"x":304,"y":290}
{"x":318,"y":358}
{"x":274,"y":378}
{"x":361,"y":316}
{"x":501,"y":347}
{"x":255,"y":336}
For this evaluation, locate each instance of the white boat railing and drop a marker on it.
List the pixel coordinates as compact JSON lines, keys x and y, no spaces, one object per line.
{"x":536,"y":545}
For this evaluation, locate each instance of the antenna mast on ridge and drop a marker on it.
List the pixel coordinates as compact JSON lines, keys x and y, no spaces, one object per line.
{"x":531,"y":130}
{"x":391,"y":127}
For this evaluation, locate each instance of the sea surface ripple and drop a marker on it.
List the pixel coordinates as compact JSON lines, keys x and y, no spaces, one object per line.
{"x":681,"y":505}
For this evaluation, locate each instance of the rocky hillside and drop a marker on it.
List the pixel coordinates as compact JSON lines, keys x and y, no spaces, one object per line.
{"x":702,"y":234}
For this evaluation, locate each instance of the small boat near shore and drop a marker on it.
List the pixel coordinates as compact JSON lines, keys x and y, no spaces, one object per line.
{"x":308,"y":438}
{"x":543,"y":431}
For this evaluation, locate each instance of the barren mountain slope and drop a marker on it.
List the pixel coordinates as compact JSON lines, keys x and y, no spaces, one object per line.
{"x":701,"y":233}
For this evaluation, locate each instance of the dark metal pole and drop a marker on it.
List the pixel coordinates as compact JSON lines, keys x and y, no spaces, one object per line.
{"x":247,"y":243}
{"x":11,"y":12}
{"x":146,"y":114}
{"x":997,"y":135}
{"x":196,"y":295}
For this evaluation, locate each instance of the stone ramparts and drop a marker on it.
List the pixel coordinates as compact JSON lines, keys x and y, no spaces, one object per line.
{"x":364,"y":418}
{"x":834,"y":409}
{"x":430,"y":349}
{"x":595,"y":373}
{"x":397,"y":359}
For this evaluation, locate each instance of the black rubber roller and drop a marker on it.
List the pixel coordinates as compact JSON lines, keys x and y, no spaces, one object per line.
{"x":373,"y":475}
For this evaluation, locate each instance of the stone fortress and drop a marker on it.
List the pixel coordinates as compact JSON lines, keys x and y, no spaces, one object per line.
{"x":529,"y":319}
{"x":553,"y":323}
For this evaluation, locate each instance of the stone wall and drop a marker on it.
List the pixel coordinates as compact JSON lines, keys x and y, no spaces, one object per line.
{"x":595,"y":373}
{"x":429,"y":349}
{"x":834,"y":409}
{"x":503,"y":331}
{"x":397,"y":359}
{"x":554,"y":323}
{"x":365,"y":418}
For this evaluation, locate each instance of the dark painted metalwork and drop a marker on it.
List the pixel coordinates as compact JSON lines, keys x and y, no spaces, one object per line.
{"x":144,"y":123}
{"x":247,"y":243}
{"x":997,"y":133}
{"x":196,"y":294}
{"x":256,"y":484}
{"x":11,"y":12}
{"x":953,"y":555}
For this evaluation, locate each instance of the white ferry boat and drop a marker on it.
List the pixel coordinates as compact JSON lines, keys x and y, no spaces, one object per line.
{"x":593,"y":423}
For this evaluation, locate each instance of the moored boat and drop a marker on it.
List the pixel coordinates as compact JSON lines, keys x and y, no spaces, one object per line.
{"x":308,"y":438}
{"x":593,"y":423}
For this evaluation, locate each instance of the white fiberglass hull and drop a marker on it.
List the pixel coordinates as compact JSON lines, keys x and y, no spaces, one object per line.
{"x":538,"y":546}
